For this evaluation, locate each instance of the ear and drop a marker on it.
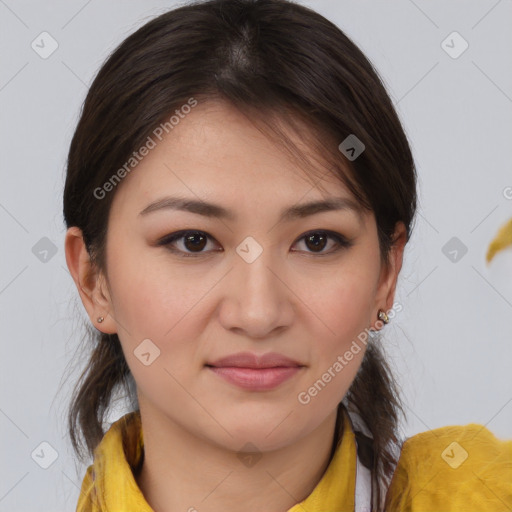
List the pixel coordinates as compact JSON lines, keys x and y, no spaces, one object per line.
{"x":389,"y":274}
{"x":91,"y":284}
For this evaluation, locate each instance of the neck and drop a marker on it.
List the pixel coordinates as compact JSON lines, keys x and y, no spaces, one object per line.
{"x":183,"y":472}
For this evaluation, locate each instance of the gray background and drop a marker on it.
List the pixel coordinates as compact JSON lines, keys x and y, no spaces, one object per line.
{"x":451,"y":345}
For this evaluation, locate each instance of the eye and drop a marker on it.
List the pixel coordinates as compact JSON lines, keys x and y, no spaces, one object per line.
{"x":317,"y":240}
{"x":193,"y":242}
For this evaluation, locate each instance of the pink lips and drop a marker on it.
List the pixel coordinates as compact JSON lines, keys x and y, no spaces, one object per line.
{"x":254,"y":372}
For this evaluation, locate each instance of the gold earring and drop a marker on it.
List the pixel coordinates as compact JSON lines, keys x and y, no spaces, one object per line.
{"x":383,"y":316}
{"x":100,"y":319}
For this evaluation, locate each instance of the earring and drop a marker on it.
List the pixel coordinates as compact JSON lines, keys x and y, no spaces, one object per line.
{"x":383,"y":316}
{"x":100,"y":319}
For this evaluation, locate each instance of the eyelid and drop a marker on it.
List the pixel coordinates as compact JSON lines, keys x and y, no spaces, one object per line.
{"x":166,"y":241}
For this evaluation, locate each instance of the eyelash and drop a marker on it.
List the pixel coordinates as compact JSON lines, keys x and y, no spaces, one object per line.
{"x":167,"y":240}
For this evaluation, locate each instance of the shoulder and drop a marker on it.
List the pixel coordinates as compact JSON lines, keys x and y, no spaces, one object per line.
{"x":460,"y":467}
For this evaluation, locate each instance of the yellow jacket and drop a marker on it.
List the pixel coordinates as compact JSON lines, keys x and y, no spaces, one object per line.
{"x":455,"y":468}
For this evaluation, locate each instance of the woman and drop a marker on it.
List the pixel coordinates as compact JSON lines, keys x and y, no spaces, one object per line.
{"x":238,"y":198}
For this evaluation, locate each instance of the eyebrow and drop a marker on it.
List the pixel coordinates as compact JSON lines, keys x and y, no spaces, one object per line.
{"x":216,"y":211}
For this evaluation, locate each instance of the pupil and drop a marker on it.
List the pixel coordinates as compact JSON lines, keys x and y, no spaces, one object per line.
{"x":190,"y":239}
{"x":316,"y":243}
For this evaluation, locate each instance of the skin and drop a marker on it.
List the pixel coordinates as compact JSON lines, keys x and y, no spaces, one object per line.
{"x":290,"y":300}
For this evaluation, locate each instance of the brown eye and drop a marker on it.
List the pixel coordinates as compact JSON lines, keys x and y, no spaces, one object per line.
{"x":316,"y":242}
{"x":192,"y":242}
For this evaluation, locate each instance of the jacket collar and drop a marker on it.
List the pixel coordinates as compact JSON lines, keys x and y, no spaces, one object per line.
{"x":110,"y":486}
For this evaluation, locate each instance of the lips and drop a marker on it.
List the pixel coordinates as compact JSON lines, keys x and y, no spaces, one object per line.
{"x":251,"y":360}
{"x":254,"y":372}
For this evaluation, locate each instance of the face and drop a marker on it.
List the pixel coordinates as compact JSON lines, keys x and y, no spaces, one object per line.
{"x":186,"y":289}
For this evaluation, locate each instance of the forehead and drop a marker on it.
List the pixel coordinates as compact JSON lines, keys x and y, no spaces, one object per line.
{"x":217,"y":153}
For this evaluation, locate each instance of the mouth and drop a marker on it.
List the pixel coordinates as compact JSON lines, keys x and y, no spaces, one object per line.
{"x":255,"y":372}
{"x":255,"y":379}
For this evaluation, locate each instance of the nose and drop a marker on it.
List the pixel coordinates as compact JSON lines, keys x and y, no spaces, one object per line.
{"x":257,"y":301}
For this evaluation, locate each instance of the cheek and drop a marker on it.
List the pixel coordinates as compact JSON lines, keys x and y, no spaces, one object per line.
{"x":154,"y":300}
{"x":149,"y":293}
{"x":155,"y":327}
{"x":340,"y":315}
{"x":343,"y":306}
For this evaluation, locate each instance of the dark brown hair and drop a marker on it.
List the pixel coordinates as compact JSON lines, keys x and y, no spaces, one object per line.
{"x":281,"y":64}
